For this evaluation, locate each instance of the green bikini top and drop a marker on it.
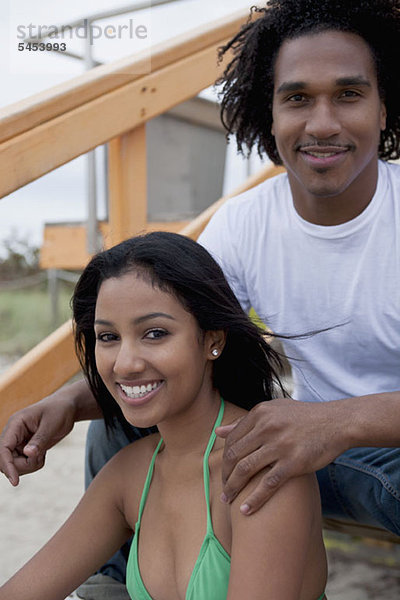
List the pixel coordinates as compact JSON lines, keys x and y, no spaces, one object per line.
{"x":210,"y":575}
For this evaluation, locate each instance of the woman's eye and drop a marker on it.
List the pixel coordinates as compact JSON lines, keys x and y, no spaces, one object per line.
{"x":155,"y":334}
{"x":106,"y":337}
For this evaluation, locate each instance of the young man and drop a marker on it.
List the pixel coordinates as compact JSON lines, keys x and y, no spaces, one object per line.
{"x":318,"y":249}
{"x":315,"y":251}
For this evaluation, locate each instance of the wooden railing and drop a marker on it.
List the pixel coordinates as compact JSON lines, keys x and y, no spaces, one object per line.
{"x":111,"y":103}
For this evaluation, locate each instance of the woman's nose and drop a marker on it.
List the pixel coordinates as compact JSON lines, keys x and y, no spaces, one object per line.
{"x":129,"y":361}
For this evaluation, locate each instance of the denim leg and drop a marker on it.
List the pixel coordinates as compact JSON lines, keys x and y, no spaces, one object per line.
{"x":363,"y":485}
{"x":100,"y":447}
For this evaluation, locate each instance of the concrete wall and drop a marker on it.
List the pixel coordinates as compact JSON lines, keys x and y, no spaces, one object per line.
{"x":186,"y":160}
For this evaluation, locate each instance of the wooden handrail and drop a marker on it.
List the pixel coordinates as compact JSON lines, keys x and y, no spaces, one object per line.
{"x":57,"y":101}
{"x":51,"y":144}
{"x":56,"y":126}
{"x":46,"y":367}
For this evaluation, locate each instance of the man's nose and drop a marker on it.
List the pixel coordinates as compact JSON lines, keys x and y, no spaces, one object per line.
{"x":323,"y":121}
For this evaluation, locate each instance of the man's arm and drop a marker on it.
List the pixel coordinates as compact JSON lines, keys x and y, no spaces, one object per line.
{"x":294,"y":438}
{"x":33,"y":430}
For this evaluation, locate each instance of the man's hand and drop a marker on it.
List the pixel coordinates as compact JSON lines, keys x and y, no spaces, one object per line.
{"x":30,"y":433}
{"x":33,"y":430}
{"x":287,"y":437}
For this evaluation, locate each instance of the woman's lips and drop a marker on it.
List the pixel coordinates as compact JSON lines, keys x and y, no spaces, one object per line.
{"x":133,"y":398}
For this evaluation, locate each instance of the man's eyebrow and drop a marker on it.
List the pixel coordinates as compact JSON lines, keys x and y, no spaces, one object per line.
{"x":291,"y":86}
{"x":295,"y":86}
{"x":139,"y":320}
{"x":353,"y":80}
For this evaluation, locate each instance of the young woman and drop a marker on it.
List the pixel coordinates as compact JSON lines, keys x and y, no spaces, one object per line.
{"x":163,"y":340}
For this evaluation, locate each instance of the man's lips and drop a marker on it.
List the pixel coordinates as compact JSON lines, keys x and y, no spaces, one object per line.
{"x":319,"y":149}
{"x":317,"y":155}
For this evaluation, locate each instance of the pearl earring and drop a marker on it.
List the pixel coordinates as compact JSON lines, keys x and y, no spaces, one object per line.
{"x":215,"y":352}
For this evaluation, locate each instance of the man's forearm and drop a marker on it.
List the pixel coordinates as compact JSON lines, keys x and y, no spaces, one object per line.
{"x":33,"y":430}
{"x":79,"y":395}
{"x":372,"y":420}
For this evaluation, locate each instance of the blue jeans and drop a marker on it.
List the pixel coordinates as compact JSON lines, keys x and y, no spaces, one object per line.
{"x":362,"y":485}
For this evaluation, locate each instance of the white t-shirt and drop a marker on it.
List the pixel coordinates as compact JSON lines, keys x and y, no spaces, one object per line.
{"x":302,"y":277}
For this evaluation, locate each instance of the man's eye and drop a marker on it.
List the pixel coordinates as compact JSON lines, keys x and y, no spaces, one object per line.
{"x":106,"y":337}
{"x":296,"y":98}
{"x":350,"y":94}
{"x":155,"y":334}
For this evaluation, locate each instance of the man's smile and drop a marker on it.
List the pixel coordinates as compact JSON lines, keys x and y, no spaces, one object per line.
{"x":323,"y":156}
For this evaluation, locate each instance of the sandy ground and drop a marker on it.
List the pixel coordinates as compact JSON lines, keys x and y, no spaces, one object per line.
{"x":31,"y":512}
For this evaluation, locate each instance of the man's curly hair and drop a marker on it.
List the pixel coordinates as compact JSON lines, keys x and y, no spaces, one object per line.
{"x":248,"y":80}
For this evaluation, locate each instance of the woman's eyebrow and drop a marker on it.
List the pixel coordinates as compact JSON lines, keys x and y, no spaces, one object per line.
{"x":138,"y":320}
{"x":153,"y":315}
{"x":102,"y":322}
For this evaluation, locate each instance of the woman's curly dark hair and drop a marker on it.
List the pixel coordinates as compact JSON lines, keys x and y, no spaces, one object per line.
{"x":248,"y":80}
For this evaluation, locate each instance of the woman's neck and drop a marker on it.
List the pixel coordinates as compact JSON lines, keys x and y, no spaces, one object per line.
{"x":188,"y":432}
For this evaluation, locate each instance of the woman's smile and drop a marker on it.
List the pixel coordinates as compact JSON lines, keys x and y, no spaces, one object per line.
{"x":140,"y":393}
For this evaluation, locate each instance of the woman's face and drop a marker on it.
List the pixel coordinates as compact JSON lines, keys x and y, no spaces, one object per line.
{"x":150,"y":352}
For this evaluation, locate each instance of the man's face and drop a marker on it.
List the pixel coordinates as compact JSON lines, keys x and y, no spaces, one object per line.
{"x":327,"y":118}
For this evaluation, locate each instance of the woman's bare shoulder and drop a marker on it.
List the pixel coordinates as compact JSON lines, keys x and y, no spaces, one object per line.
{"x":140,"y":451}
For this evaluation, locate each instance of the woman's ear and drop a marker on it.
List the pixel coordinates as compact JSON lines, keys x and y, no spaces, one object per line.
{"x":214,"y":343}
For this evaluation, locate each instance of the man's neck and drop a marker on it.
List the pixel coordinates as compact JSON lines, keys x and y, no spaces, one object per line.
{"x":338,"y":209}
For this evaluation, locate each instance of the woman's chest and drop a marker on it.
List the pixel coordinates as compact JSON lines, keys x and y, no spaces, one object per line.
{"x":177,"y":524}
